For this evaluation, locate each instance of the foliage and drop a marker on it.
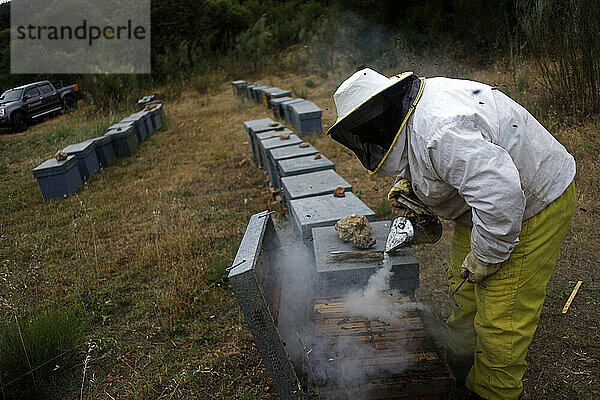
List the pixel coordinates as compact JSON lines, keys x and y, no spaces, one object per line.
{"x":564,"y":37}
{"x":192,"y":38}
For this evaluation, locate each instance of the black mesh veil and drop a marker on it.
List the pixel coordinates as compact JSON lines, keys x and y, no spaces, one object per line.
{"x":371,"y":129}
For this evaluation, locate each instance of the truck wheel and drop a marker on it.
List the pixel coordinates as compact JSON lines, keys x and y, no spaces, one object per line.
{"x":69,"y":103}
{"x":19,"y":121}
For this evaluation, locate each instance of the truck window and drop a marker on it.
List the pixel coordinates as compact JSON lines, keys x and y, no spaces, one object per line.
{"x":12,"y":95}
{"x":45,"y":89}
{"x":32,"y":92}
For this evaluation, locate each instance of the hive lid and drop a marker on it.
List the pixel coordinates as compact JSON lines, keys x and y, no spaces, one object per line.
{"x":254,"y":130}
{"x":122,"y":125}
{"x":281,"y":93}
{"x":272,"y":133}
{"x":146,"y":99}
{"x":326,"y":239}
{"x":133,"y":117}
{"x":313,"y":184}
{"x":262,"y":88}
{"x":292,"y":101}
{"x":292,"y":165}
{"x":279,"y":100}
{"x":284,"y":153}
{"x":306,"y":108}
{"x":257,"y":122}
{"x":270,"y":90}
{"x":275,"y":142}
{"x":121,"y":130}
{"x":79,"y":148}
{"x":54,"y":166}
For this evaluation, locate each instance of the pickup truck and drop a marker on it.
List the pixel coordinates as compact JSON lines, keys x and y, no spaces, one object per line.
{"x":21,"y":105}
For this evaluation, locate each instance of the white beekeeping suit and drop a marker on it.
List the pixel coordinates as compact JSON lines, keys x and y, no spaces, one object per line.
{"x":474,"y":152}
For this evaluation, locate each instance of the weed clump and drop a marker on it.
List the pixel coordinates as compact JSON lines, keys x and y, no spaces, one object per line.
{"x":38,"y":352}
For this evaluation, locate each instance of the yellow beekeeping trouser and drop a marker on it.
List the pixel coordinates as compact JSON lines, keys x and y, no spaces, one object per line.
{"x":496,"y":319}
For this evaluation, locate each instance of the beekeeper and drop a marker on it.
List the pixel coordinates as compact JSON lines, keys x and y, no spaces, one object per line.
{"x":471,"y":154}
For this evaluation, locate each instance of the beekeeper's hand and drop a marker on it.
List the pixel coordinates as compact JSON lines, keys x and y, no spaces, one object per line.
{"x":476,"y":269}
{"x":402,"y":187}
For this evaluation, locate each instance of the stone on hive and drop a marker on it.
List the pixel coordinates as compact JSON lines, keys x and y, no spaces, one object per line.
{"x":339,"y":192}
{"x":355,"y":228}
{"x":312,"y":184}
{"x":61,"y":155}
{"x":311,"y":212}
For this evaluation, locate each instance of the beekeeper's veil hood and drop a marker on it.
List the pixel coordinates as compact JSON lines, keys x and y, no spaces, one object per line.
{"x":372,"y":110}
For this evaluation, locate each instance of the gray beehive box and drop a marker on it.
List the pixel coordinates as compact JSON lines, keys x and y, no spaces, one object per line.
{"x":267,"y":145}
{"x":275,"y":105}
{"x":312,"y":184}
{"x":58,"y":178}
{"x":273,"y":143}
{"x":237,"y":86}
{"x":256,"y":283}
{"x":303,"y":165}
{"x":124,"y":140}
{"x":274,"y":156}
{"x":139,"y":123}
{"x":279,"y":94}
{"x":306,"y":117}
{"x":326,"y":210}
{"x":257,"y":92}
{"x":147,"y":118}
{"x":336,"y":278}
{"x":155,"y":111}
{"x":145,"y":100}
{"x":87,"y":161}
{"x":287,"y":112}
{"x":254,"y":131}
{"x":255,"y":124}
{"x":266,"y":94}
{"x":259,"y":137}
{"x":104,"y":150}
{"x":263,"y":93}
{"x":247,"y":92}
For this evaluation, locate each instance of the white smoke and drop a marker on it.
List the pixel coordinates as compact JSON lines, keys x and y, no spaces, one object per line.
{"x":377,"y":300}
{"x":325,"y":360}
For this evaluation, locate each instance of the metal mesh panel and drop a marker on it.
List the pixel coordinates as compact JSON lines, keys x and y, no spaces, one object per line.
{"x":256,"y":285}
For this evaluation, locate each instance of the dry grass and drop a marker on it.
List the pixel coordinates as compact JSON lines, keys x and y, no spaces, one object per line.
{"x":143,"y":247}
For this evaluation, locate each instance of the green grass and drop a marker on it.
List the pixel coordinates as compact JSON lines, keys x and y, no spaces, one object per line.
{"x":223,"y":253}
{"x":38,"y":352}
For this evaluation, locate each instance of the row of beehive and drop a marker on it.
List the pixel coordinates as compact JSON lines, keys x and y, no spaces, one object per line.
{"x":306,"y":182}
{"x":62,"y":178}
{"x":304,"y":115}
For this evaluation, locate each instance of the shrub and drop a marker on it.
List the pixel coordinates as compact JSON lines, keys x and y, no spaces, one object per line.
{"x":37,"y":352}
{"x":564,"y":37}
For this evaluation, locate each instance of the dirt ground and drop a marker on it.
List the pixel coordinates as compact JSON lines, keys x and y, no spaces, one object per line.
{"x":143,"y":248}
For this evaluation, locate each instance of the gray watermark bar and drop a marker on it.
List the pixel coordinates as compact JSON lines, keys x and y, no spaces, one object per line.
{"x":80,"y":36}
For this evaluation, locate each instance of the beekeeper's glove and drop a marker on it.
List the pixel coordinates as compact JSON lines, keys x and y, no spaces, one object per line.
{"x":476,"y":269}
{"x":402,"y":187}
